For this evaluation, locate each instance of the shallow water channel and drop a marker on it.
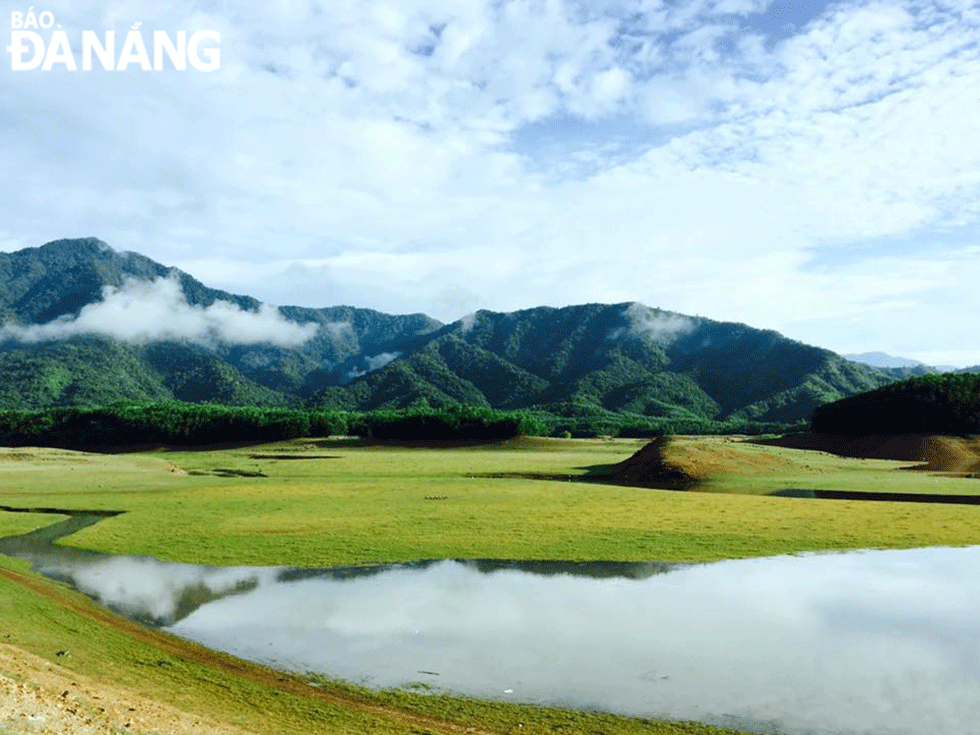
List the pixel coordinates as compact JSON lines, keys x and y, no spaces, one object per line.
{"x":884,"y":642}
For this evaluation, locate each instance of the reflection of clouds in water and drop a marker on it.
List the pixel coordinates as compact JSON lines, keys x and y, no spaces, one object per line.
{"x":810,"y":641}
{"x":862,"y":642}
{"x":154,"y":590}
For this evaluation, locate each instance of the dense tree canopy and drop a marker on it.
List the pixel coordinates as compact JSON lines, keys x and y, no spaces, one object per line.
{"x":931,"y":404}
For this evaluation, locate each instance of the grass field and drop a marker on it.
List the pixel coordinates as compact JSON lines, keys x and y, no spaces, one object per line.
{"x":368,"y":504}
{"x":339,"y":502}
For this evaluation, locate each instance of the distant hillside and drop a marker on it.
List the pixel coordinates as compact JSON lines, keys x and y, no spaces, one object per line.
{"x":83,"y":324}
{"x":600,"y":359}
{"x":884,"y":360}
{"x":933,"y":404}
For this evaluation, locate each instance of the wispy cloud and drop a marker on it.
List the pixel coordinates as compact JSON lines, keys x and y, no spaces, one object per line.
{"x":373,"y":363}
{"x":652,"y":324}
{"x":146,"y":311}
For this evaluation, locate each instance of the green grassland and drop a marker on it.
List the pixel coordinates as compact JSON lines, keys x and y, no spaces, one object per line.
{"x":12,"y":524}
{"x":360,"y":504}
{"x":341,"y":502}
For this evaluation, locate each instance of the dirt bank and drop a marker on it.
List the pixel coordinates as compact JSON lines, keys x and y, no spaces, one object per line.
{"x":42,"y":698}
{"x":932,"y":452}
{"x":680,"y":462}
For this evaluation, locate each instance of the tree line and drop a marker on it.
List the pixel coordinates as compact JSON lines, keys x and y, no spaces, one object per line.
{"x":932,"y":404}
{"x":128,"y":424}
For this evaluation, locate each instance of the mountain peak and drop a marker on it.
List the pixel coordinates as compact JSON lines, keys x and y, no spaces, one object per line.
{"x":89,"y":244}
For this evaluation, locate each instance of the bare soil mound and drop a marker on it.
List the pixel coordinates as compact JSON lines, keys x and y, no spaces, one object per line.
{"x":680,"y":462}
{"x":650,"y":467}
{"x":934,"y":453}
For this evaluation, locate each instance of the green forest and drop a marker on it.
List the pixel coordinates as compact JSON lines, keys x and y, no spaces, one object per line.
{"x":134,"y":424}
{"x":932,"y":404}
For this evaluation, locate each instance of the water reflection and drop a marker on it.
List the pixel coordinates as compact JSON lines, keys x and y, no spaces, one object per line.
{"x":869,"y":642}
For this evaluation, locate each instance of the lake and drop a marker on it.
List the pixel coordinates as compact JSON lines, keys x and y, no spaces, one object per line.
{"x":876,"y":642}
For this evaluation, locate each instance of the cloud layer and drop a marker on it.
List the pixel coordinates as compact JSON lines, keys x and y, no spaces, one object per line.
{"x":146,"y":311}
{"x":808,"y":167}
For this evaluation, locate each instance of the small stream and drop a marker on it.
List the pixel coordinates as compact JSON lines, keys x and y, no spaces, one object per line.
{"x":871,"y":642}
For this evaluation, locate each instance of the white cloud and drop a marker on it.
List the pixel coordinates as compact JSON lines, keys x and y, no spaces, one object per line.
{"x":373,"y":363}
{"x":379,"y":361}
{"x":377,"y":154}
{"x":146,"y":311}
{"x":657,"y":326}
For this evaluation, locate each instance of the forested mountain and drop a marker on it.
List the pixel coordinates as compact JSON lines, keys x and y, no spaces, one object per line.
{"x":209,"y":354}
{"x":624,"y":358}
{"x":83,"y":324}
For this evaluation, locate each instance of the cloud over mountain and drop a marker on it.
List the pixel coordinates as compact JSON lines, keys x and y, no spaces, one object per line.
{"x":656,"y":325}
{"x":142,"y":311}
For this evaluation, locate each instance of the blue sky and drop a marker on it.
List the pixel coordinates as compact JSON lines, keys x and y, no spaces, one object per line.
{"x":808,"y":167}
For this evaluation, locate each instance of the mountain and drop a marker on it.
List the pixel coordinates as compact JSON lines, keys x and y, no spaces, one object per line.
{"x":84,"y":324}
{"x":884,"y":360}
{"x":192,"y":342}
{"x":599,"y":359}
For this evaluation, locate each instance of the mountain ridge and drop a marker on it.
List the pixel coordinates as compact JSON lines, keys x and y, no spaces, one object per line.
{"x":583,"y":361}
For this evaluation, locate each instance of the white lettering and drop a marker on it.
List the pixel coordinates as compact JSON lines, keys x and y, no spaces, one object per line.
{"x":59,"y":51}
{"x":133,"y":50}
{"x":213,"y":55}
{"x":106,"y":54}
{"x":17,"y":49}
{"x":177,"y":54}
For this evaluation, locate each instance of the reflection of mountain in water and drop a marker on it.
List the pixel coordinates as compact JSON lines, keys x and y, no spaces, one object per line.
{"x":144,"y":589}
{"x":160,"y":593}
{"x":545,"y":568}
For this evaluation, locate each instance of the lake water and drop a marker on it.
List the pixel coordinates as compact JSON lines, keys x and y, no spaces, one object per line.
{"x":881,"y":643}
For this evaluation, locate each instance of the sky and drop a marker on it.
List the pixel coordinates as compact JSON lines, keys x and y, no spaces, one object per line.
{"x":808,"y":167}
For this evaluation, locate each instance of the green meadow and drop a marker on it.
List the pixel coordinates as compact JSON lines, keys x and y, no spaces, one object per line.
{"x":333,"y":502}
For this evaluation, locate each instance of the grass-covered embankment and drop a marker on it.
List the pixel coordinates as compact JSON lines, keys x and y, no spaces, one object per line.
{"x":880,"y":464}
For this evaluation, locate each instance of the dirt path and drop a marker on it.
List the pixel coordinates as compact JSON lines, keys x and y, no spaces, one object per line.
{"x":35,"y":707}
